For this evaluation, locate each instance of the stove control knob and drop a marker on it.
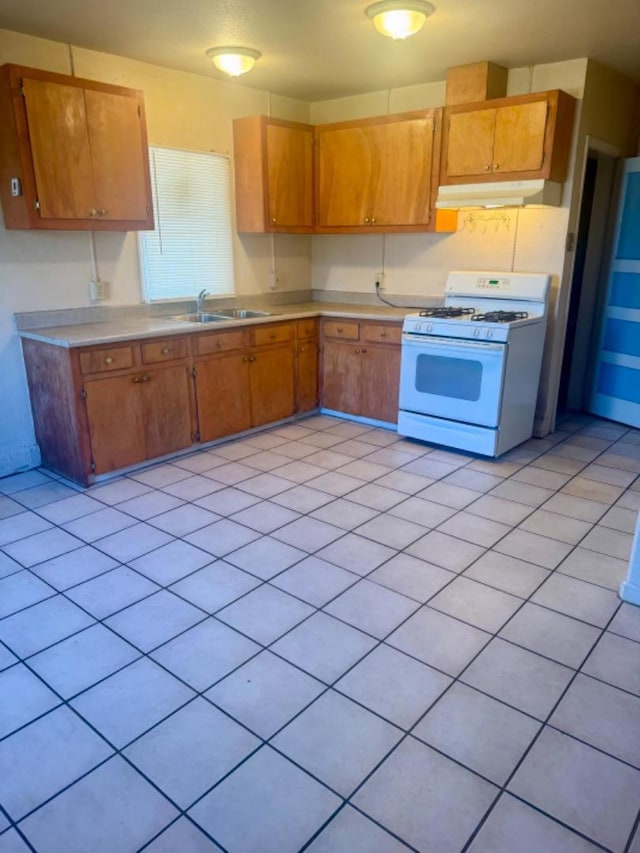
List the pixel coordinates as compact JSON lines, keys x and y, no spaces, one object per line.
{"x":417,"y":327}
{"x":429,"y":327}
{"x":489,"y":333}
{"x":476,"y":333}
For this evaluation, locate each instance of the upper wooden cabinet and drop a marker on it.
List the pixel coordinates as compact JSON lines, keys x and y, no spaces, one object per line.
{"x":518,"y":138}
{"x":378,"y":174}
{"x":73,"y":153}
{"x":273,"y":175}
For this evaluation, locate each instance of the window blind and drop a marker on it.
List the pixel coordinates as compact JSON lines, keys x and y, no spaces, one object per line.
{"x":190,"y":248}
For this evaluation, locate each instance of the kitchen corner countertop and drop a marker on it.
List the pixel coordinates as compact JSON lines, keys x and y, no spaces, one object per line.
{"x":124,"y":328}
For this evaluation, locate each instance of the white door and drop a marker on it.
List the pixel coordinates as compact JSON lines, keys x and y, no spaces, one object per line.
{"x":616,"y":386}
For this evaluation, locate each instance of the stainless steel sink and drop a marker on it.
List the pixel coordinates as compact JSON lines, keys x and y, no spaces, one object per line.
{"x":199,"y":317}
{"x":241,"y":313}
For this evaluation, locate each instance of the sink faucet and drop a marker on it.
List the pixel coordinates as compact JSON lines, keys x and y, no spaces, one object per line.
{"x":200,"y":300}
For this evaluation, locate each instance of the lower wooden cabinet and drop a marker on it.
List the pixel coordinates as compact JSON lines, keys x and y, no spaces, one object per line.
{"x":361,"y":368}
{"x":100,"y":408}
{"x":252,"y":385}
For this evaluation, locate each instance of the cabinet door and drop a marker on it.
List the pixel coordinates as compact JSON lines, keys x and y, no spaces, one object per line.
{"x":166,"y":403}
{"x":307,"y":375}
{"x":401,"y":193}
{"x":116,"y":422}
{"x":290,"y":164}
{"x":341,"y":368}
{"x":271,"y":376}
{"x":346,"y":171}
{"x":470,"y":145}
{"x":520,"y":137}
{"x":222,"y":396}
{"x":60,"y":149}
{"x":380,"y":383}
{"x":119,"y":156}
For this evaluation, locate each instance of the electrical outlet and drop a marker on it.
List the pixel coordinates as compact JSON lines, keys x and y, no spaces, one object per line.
{"x":274,"y":280}
{"x":378,"y":281}
{"x":97,"y":290}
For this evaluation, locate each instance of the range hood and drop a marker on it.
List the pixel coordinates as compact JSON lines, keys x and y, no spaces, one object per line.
{"x":499,"y":194}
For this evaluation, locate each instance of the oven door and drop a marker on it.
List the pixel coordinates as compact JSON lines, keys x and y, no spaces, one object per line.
{"x":450,"y":378}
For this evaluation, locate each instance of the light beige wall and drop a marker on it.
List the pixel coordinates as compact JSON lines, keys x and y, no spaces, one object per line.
{"x":43,"y":271}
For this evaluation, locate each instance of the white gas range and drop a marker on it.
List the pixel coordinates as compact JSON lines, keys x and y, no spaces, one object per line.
{"x":470,"y":370}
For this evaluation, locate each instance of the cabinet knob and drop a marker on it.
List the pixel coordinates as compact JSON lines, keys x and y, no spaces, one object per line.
{"x":363,"y":351}
{"x":108,"y":360}
{"x":383,"y":334}
{"x":135,"y":380}
{"x":102,"y":212}
{"x":273,"y":220}
{"x":145,"y":378}
{"x":245,"y":358}
{"x":93,"y":212}
{"x":300,"y":349}
{"x":366,"y":220}
{"x":218,"y":344}
{"x":357,"y":352}
{"x":272,"y":336}
{"x":487,"y":168}
{"x":165,"y":351}
{"x":496,"y":165}
{"x":339,"y":330}
{"x":373,"y":220}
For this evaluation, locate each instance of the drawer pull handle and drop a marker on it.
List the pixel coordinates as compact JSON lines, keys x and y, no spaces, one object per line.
{"x":340,"y":330}
{"x":383,"y":334}
{"x":272,"y":336}
{"x":363,"y":351}
{"x":108,"y":360}
{"x":165,"y":351}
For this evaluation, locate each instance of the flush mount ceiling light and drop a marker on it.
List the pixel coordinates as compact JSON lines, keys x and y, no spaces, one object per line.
{"x":234,"y":61}
{"x":398,"y":19}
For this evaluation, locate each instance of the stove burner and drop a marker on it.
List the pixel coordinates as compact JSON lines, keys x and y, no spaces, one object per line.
{"x":446,"y":311}
{"x":500,"y":316}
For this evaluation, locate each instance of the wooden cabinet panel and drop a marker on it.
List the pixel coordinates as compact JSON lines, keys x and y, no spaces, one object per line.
{"x":222,"y":396}
{"x":273,"y":175}
{"x":290,"y":164}
{"x":470,"y":148}
{"x":60,"y":149}
{"x":101,"y":360}
{"x":119,"y":156}
{"x":219,"y":342}
{"x":272,"y":334}
{"x":381,"y":333}
{"x":346,"y":169}
{"x":159,"y":351}
{"x":116,"y":422}
{"x":306,"y":329}
{"x":78,"y":149}
{"x":345,"y":330}
{"x":519,"y":138}
{"x":271,"y":380}
{"x":166,"y":403}
{"x":307,"y":375}
{"x":341,"y":367}
{"x":380,"y":377}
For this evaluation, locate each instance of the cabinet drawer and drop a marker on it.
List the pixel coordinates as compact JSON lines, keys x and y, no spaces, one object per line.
{"x":220,"y":342}
{"x":379,"y":334}
{"x":340,"y":329}
{"x":100,"y":360}
{"x":306,"y":329}
{"x":164,"y":350}
{"x":271,"y":334}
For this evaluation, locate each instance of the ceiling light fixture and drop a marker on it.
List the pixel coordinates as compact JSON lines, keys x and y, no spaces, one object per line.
{"x":399,"y":19}
{"x":234,"y":61}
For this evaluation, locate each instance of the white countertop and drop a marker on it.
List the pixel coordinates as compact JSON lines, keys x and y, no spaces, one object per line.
{"x":124,"y":328}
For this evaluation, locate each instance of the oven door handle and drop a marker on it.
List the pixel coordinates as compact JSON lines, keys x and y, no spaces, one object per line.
{"x":429,"y":342}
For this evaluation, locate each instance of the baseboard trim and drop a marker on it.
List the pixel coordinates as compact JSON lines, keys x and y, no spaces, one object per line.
{"x":18,"y":459}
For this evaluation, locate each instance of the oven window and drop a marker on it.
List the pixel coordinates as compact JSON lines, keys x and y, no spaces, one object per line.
{"x":448,"y":377}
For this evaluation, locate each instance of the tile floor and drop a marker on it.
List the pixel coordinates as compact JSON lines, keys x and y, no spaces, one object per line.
{"x":325,"y":637}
